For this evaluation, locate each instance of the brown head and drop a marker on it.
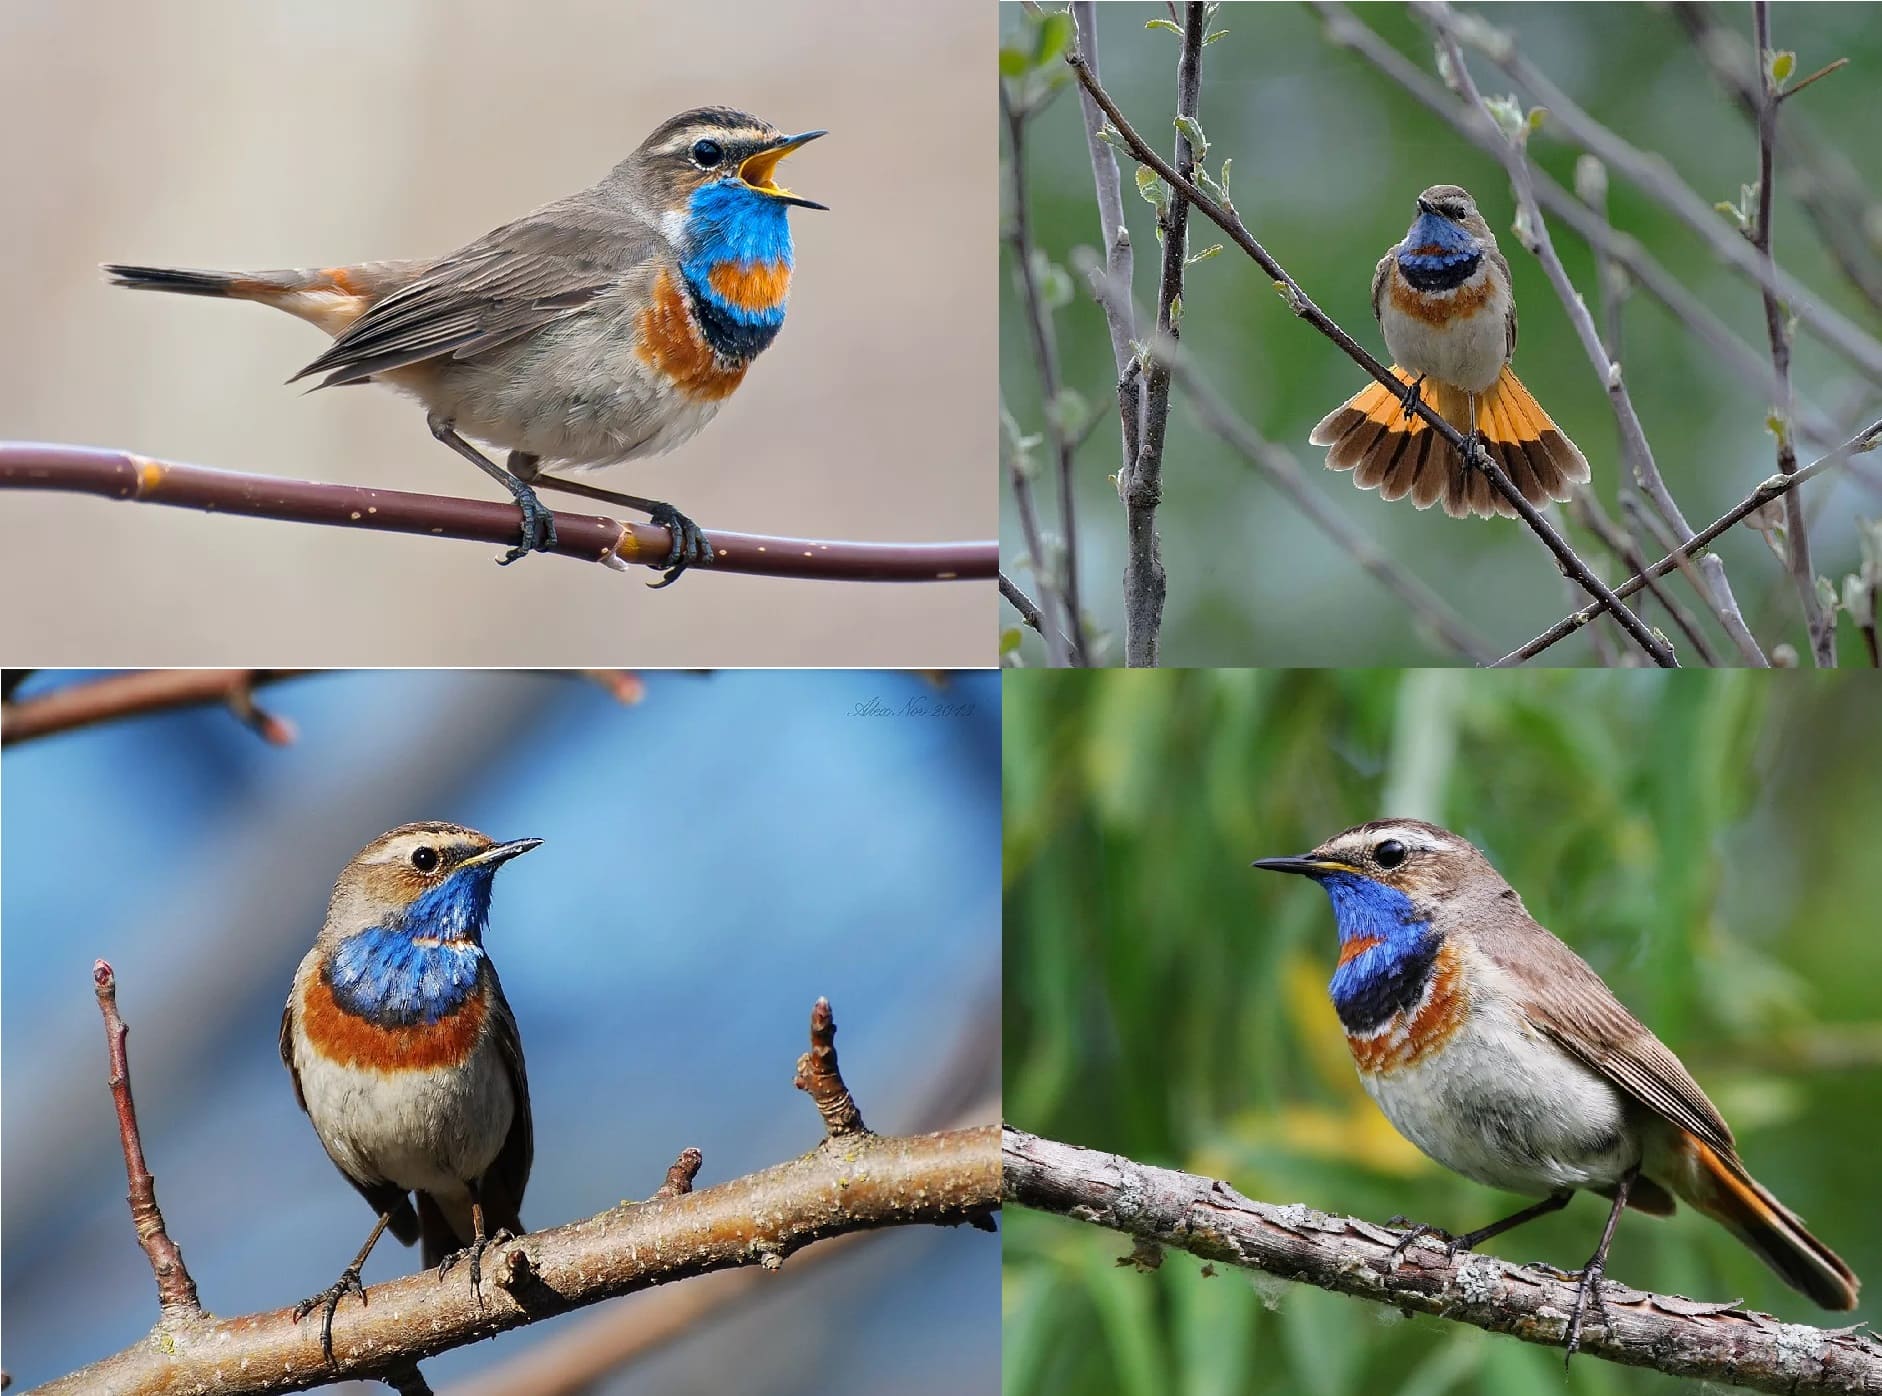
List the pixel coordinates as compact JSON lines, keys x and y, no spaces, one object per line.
{"x":1453,"y":204}
{"x":715,"y":146}
{"x":1442,"y":874}
{"x":433,"y":874}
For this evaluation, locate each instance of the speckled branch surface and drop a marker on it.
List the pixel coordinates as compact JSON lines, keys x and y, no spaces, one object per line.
{"x":853,"y":1181}
{"x":124,"y":475}
{"x":1681,"y":1337}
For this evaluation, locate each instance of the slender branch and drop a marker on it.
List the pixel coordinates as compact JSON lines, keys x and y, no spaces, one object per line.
{"x":76,"y":705}
{"x":1019,"y":479}
{"x":1751,"y":366}
{"x":1682,"y":1337}
{"x":851,"y":1182}
{"x":1655,"y":177}
{"x":1119,"y":320}
{"x":1717,"y":591}
{"x":176,"y":1291}
{"x":1028,"y":608}
{"x":1141,"y":483}
{"x":1776,"y":487}
{"x":1303,"y":306}
{"x":1822,"y":628}
{"x":611,"y":542}
{"x":1046,"y":357}
{"x":819,"y":1075}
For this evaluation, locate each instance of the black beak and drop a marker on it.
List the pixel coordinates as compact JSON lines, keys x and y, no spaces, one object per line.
{"x":1431,"y":209}
{"x":499,"y":853}
{"x":1306,"y":864}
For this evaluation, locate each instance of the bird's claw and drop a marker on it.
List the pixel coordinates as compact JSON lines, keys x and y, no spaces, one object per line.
{"x":329,"y":1300}
{"x":689,"y":548}
{"x":538,"y":529}
{"x":475,"y":1252}
{"x":1413,"y":395}
{"x":1587,"y":1292}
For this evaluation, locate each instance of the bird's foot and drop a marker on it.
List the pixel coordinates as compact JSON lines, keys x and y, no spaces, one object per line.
{"x":1413,"y":395}
{"x":328,"y":1300}
{"x":690,"y":548}
{"x":538,"y":526}
{"x":474,"y":1252}
{"x":1587,"y":1293}
{"x":1418,"y":1230}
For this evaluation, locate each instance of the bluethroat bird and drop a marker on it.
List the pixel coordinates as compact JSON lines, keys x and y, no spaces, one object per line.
{"x":1496,"y":1050}
{"x":1443,"y":301}
{"x":405,"y":1055}
{"x":601,"y":328}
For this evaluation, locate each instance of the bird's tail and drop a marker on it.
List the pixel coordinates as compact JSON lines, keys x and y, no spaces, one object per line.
{"x":1397,"y":455}
{"x":1719,"y":1186}
{"x":330,"y":297}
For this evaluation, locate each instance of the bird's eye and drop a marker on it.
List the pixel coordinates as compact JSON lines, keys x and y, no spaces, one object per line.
{"x":707,"y":153}
{"x":1389,"y":854}
{"x":425,"y":859}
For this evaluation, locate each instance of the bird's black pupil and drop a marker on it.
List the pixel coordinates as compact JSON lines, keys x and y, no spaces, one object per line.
{"x":1390,"y":853}
{"x":706,"y":154}
{"x":425,"y":859}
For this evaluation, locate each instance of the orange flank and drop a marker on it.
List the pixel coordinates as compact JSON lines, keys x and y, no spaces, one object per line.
{"x":671,"y":342}
{"x":344,"y":1037}
{"x":1357,"y":946}
{"x":755,"y":286}
{"x":1462,"y":304}
{"x":1404,"y":1041}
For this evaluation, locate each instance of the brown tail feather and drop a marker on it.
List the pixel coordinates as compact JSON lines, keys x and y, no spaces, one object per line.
{"x":1371,"y":436}
{"x":1720,"y":1187}
{"x":330,"y":297}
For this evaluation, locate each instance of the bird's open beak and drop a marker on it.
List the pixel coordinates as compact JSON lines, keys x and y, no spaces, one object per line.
{"x":758,"y":170}
{"x":1306,"y":864}
{"x":499,"y":853}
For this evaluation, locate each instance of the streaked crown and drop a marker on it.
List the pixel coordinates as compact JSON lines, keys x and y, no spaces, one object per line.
{"x":436,"y":870}
{"x":715,"y":145}
{"x":1453,"y":204}
{"x":1430,"y":866}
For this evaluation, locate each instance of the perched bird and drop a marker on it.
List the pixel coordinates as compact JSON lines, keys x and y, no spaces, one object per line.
{"x":603,"y":327}
{"x":405,"y":1055}
{"x":1443,"y":301}
{"x":1495,"y":1049}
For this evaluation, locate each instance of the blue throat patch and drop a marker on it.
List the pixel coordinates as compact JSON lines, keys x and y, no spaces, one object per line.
{"x":385,"y":976}
{"x":1388,"y":976}
{"x":1454,"y":263}
{"x":729,"y":221}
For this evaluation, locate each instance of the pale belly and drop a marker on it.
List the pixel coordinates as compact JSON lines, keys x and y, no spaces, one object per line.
{"x":1506,"y":1107}
{"x":1468,"y":352}
{"x":427,"y":1131}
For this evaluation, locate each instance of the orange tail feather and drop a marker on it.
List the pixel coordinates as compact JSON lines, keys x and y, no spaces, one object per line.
{"x":1722,"y":1189}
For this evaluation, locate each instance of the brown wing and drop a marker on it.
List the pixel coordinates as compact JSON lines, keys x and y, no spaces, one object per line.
{"x":1502,"y":264}
{"x":1575,"y":1008}
{"x":381,"y":1197}
{"x":1378,"y":281}
{"x":505,"y":284}
{"x":503,"y":1184}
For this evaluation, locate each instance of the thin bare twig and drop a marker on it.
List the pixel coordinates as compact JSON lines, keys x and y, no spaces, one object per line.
{"x":1029,"y":610}
{"x":611,"y":542}
{"x":1141,"y":483}
{"x":819,"y":1075}
{"x":1046,"y":356}
{"x":176,"y":1291}
{"x":1303,"y":306}
{"x":1776,"y":487}
{"x":1822,"y":627}
{"x":1161,"y":1207}
{"x":1019,"y":480}
{"x":1717,"y":591}
{"x":113,"y":696}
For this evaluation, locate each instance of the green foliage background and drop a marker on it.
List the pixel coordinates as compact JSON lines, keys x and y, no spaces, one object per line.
{"x":1706,"y":841}
{"x":1328,"y":156}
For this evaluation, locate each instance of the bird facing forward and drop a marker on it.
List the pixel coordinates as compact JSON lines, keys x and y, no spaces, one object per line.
{"x":1445,"y":305}
{"x":405,"y":1055}
{"x":1497,"y":1051}
{"x":601,"y":328}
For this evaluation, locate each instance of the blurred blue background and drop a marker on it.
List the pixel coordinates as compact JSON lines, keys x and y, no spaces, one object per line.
{"x":714,"y":858}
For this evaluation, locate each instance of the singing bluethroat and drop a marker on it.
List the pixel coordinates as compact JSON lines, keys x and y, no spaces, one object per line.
{"x":1500,"y":1053}
{"x":405,"y":1055}
{"x":603,"y":327}
{"x":1445,"y":304}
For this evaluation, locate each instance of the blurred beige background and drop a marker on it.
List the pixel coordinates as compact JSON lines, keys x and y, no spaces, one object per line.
{"x":253,"y":136}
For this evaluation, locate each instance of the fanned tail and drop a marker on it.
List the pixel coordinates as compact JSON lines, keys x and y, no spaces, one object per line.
{"x":1397,"y":455}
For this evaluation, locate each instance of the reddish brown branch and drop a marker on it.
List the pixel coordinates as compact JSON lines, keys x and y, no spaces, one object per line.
{"x":680,"y":1176}
{"x":145,"y":691}
{"x":176,"y":1291}
{"x":817,"y":1073}
{"x":123,"y":475}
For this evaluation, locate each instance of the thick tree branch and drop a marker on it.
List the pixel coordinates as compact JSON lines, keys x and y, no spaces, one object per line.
{"x":1776,"y":487}
{"x":851,"y":1182}
{"x":612,"y":542}
{"x":1700,"y":1341}
{"x":1303,"y":306}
